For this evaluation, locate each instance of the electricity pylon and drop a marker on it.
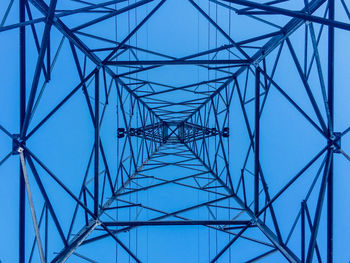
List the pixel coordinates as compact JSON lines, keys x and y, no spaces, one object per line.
{"x":142,"y":122}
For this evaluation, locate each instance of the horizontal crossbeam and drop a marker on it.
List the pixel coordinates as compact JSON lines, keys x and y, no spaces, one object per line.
{"x":179,"y":62}
{"x":178,"y":223}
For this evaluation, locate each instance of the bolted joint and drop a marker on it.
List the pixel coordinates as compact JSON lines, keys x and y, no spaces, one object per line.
{"x":132,"y":132}
{"x":254,"y":221}
{"x":334,"y":142}
{"x":256,"y":63}
{"x":120,"y":133}
{"x":226,"y":132}
{"x":139,"y":132}
{"x":17,"y":144}
{"x":213,"y":131}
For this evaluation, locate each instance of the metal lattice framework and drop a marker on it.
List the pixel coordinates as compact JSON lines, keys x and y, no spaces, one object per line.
{"x":236,"y":141}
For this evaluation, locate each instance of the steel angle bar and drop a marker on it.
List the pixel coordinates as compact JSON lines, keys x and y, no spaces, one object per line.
{"x":31,"y":204}
{"x":38,"y":67}
{"x":267,"y":48}
{"x":296,"y":14}
{"x":178,"y":62}
{"x":177,"y":223}
{"x":93,"y":223}
{"x":284,"y":250}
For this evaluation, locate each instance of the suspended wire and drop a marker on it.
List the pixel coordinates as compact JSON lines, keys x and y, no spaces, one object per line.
{"x":44,"y":85}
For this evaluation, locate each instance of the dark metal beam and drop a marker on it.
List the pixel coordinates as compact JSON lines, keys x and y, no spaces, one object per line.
{"x":257,"y":141}
{"x":177,"y":223}
{"x":31,"y":206}
{"x":179,"y":62}
{"x":331,"y":14}
{"x":284,"y":250}
{"x":22,"y":108}
{"x":296,"y":14}
{"x":319,"y":206}
{"x":302,"y":236}
{"x":265,"y":50}
{"x":306,"y":86}
{"x":44,"y":9}
{"x":211,"y":21}
{"x":46,"y":198}
{"x":59,"y":105}
{"x":92,"y":224}
{"x":144,"y":20}
{"x":218,"y":255}
{"x":38,"y":67}
{"x":97,"y":142}
{"x":59,"y":14}
{"x":111,"y":14}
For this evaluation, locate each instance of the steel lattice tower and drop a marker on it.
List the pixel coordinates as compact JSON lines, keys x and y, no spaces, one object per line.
{"x":174,"y":130}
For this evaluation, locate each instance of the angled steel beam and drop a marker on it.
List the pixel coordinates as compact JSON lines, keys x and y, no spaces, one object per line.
{"x":38,"y":67}
{"x":309,"y":220}
{"x":296,"y":14}
{"x":262,"y":256}
{"x":285,"y":251}
{"x":293,"y":103}
{"x":112,"y":14}
{"x":87,"y":8}
{"x":76,"y":242}
{"x":44,"y":9}
{"x":306,"y":86}
{"x":60,"y":14}
{"x":274,"y":42}
{"x":227,"y":246}
{"x":228,"y":174}
{"x":211,"y":21}
{"x":202,"y":53}
{"x":31,"y":204}
{"x":93,"y":222}
{"x":46,"y":198}
{"x":302,"y":236}
{"x":257,"y":141}
{"x":144,"y":20}
{"x":317,"y":218}
{"x":316,"y":57}
{"x":97,"y":142}
{"x":59,"y":105}
{"x":266,"y":3}
{"x":186,"y":86}
{"x":292,"y":180}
